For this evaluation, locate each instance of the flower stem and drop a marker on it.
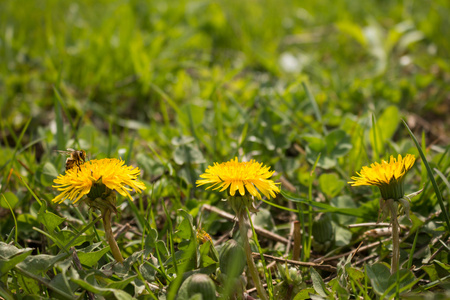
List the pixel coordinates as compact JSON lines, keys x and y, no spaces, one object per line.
{"x":395,"y":236}
{"x":243,"y":229}
{"x":106,"y":214}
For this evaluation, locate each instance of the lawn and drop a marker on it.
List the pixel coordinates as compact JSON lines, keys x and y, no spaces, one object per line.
{"x":277,"y":103}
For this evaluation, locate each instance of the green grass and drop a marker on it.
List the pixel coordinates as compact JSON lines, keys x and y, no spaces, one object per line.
{"x":316,"y":90}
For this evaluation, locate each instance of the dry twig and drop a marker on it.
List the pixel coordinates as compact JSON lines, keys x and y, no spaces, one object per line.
{"x":260,"y":231}
{"x":329,"y":268}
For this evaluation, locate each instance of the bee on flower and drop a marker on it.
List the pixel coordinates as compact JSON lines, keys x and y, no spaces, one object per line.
{"x":94,"y":178}
{"x":98,"y":180}
{"x":76,"y":157}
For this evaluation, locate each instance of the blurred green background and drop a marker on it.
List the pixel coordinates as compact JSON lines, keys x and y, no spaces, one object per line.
{"x":136,"y":64}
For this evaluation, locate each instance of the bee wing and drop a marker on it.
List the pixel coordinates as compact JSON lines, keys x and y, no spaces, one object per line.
{"x":63,"y":152}
{"x":71,"y":150}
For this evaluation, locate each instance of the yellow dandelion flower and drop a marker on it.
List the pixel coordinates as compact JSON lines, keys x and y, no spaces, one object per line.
{"x":203,"y":236}
{"x":251,"y":177}
{"x":388,"y":176}
{"x":110,"y":172}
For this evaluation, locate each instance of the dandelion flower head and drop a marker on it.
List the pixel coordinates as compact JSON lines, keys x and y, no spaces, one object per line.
{"x":387,"y":176}
{"x":112,"y":172}
{"x":251,"y":177}
{"x":203,"y":236}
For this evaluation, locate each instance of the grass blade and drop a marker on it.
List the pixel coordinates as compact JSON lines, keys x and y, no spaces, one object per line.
{"x":85,"y":228}
{"x":29,"y":189}
{"x":16,"y":148}
{"x":315,"y":107}
{"x":307,"y":246}
{"x":60,"y":138}
{"x":14,"y":217}
{"x":411,"y":253}
{"x":323,"y":207}
{"x":431,"y":176}
{"x":375,"y":141}
{"x":442,"y":177}
{"x":281,"y":207}
{"x":54,"y":239}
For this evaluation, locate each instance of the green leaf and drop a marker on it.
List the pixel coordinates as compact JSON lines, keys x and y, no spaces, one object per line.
{"x":49,"y":173}
{"x":162,"y":249}
{"x":431,"y":271}
{"x":354,"y":273}
{"x":120,"y":284}
{"x":184,"y":230}
{"x":188,"y":154}
{"x":330,"y":184}
{"x":8,"y":251}
{"x":147,"y":271}
{"x":404,"y":283}
{"x":123,"y":269}
{"x":139,"y":288}
{"x":273,"y":136}
{"x":337,"y":288}
{"x":28,"y":284}
{"x":187,"y":216}
{"x":90,"y":248}
{"x":318,"y":284}
{"x":59,"y":282}
{"x":182,"y":140}
{"x":343,"y":236}
{"x":41,"y":263}
{"x":151,"y":238}
{"x":119,"y":294}
{"x":315,"y":141}
{"x":304,"y":294}
{"x":49,"y":219}
{"x":385,"y":284}
{"x":65,"y":236}
{"x":264,"y":219}
{"x":188,"y":174}
{"x":386,"y":126}
{"x":444,"y":266}
{"x":150,"y":241}
{"x":188,"y":110}
{"x":342,"y":202}
{"x":91,"y":258}
{"x":338,"y":143}
{"x":26,"y":222}
{"x":186,"y":257}
{"x":335,"y":144}
{"x":354,"y":30}
{"x":205,"y":258}
{"x":11,"y":198}
{"x":379,"y":277}
{"x":149,"y":164}
{"x":10,"y":256}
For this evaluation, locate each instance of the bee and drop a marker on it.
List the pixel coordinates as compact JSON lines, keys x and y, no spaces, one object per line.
{"x":77,"y":158}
